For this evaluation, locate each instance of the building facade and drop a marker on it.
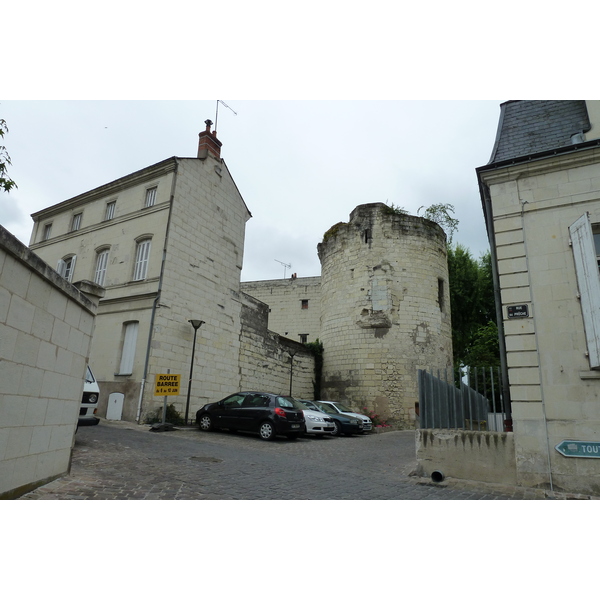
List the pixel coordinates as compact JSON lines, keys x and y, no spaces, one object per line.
{"x":166,"y":243}
{"x":541,"y":200}
{"x":294,"y":305}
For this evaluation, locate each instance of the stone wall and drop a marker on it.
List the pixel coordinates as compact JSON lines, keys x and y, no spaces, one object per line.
{"x":265,"y":356}
{"x":46,"y":326}
{"x":475,"y":455}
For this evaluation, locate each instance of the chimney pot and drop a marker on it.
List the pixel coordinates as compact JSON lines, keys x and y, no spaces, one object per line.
{"x":208,"y":142}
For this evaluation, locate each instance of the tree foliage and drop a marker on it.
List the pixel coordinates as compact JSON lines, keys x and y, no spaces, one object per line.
{"x":440,"y":214}
{"x":474,"y":328}
{"x":6,"y":183}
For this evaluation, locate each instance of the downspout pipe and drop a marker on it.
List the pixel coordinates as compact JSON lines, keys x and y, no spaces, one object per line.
{"x":156,"y":302}
{"x":489,"y":221}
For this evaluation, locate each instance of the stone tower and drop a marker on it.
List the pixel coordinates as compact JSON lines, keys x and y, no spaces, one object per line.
{"x":385,"y":309}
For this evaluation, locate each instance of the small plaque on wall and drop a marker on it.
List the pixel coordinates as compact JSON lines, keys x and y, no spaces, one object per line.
{"x":518,"y":311}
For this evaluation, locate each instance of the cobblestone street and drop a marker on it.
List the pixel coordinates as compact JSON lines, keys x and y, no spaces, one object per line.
{"x":118,"y":460}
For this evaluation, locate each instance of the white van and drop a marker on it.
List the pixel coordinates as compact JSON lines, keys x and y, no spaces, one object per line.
{"x":89,"y":401}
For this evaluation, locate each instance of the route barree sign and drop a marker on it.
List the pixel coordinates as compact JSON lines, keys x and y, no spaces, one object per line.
{"x":167,"y":384}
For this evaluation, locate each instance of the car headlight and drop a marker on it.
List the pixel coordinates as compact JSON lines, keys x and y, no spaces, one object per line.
{"x":313,"y":418}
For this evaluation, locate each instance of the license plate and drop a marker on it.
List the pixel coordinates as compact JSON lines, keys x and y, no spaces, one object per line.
{"x":295,"y":426}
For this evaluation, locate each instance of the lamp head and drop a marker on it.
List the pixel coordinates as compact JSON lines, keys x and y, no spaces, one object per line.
{"x":196,"y":323}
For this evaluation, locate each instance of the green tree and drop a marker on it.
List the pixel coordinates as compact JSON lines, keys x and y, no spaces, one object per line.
{"x":440,"y":214}
{"x":474,"y":329}
{"x":6,"y":183}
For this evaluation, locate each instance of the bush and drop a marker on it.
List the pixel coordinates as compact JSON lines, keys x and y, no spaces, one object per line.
{"x":172,"y":416}
{"x":377,"y":420}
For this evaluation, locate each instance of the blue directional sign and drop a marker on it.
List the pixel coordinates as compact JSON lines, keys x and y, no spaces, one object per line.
{"x":571,"y":448}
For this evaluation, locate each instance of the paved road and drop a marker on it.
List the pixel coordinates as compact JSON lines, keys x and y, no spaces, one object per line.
{"x":117,"y":460}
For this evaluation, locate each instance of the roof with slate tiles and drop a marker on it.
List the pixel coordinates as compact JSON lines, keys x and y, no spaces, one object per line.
{"x":528,"y":127}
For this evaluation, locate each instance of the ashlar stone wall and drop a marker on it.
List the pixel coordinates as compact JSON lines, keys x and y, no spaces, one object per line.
{"x":385,"y":309}
{"x":46,"y":326}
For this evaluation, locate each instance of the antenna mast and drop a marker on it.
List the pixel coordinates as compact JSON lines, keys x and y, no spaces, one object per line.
{"x":217,"y":112}
{"x":285,"y":266}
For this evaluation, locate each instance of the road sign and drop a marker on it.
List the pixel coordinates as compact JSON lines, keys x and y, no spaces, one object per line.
{"x":518,"y":311}
{"x":573,"y":449}
{"x":167,"y":384}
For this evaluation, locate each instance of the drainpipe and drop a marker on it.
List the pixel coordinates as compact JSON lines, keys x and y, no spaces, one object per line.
{"x":156,"y":302}
{"x":489,"y":220}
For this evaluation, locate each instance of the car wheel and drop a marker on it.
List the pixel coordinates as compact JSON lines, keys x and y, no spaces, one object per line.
{"x":266,"y":431}
{"x":205,"y":423}
{"x":337,"y":428}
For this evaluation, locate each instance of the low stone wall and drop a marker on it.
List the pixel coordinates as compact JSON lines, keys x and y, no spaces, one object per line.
{"x":476,"y":455}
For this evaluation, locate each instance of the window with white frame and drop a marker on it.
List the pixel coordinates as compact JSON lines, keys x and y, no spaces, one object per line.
{"x":142,"y":256}
{"x":101,"y":263}
{"x":76,"y":222}
{"x":110,"y":211}
{"x":66,"y":266}
{"x":585,"y":254}
{"x":150,"y":196}
{"x":47,"y":231}
{"x":130,"y":333}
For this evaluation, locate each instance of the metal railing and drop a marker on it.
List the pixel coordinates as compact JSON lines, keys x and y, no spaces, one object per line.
{"x":470,"y":399}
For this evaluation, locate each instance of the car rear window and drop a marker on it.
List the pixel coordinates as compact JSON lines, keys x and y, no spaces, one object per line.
{"x":287,"y":402}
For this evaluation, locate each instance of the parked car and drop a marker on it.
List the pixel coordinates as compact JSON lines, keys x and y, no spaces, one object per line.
{"x":316,"y":421}
{"x":342,"y":423}
{"x":342,"y":409}
{"x":260,"y":412}
{"x":89,"y":401}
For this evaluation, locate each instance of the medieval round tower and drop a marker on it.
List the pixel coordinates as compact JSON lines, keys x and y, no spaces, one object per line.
{"x":385,"y":309}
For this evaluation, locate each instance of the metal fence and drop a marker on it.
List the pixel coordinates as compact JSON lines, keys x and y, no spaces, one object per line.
{"x":467,"y":399}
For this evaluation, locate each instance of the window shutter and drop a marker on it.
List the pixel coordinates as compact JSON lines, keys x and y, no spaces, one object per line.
{"x":61,"y":267}
{"x":128,"y":354}
{"x":588,"y":280}
{"x":70,"y":268}
{"x":101,"y":263}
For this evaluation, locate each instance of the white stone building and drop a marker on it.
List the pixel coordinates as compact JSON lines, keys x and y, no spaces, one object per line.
{"x":541,"y":200}
{"x":167,"y":243}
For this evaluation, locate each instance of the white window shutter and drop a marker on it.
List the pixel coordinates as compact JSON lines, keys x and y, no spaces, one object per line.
{"x":72,"y":270}
{"x":128,"y":354}
{"x":588,"y":280}
{"x":61,"y":267}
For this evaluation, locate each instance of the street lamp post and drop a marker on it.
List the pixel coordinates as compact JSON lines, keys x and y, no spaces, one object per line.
{"x":196,"y":323}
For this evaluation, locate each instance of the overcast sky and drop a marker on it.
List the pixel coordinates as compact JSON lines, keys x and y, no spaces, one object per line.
{"x":301,"y":166}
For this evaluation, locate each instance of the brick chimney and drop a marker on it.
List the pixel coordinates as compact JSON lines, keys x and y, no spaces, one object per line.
{"x":208,"y":143}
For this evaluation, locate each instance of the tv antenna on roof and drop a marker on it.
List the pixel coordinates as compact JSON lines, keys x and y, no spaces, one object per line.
{"x":217,"y":113}
{"x":285,"y":266}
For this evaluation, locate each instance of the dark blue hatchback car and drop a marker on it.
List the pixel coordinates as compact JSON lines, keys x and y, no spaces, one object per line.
{"x":260,"y":412}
